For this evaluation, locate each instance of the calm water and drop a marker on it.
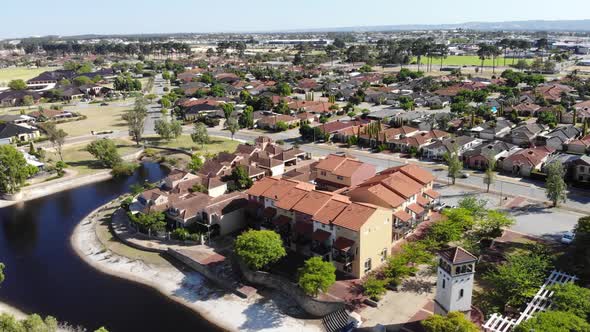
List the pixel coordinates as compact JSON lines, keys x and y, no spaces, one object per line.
{"x":44,"y":275}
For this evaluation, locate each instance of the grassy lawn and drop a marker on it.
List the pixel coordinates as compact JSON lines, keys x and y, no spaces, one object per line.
{"x":99,"y":118}
{"x":83,"y":162}
{"x":113,"y":244}
{"x":185,"y":142}
{"x":21,"y":73}
{"x":468,"y":60}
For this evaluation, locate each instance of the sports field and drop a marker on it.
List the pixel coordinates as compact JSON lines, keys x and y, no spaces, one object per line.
{"x":468,"y":60}
{"x":21,"y":73}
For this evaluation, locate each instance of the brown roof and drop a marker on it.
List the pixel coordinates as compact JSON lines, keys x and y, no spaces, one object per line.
{"x":320,"y":235}
{"x":392,"y":199}
{"x":402,"y":215}
{"x":259,"y":187}
{"x":417,"y":209}
{"x":431,"y":193}
{"x":399,"y":182}
{"x":343,"y":243}
{"x":342,"y":165}
{"x":291,"y":198}
{"x":414,"y":171}
{"x":422,"y":201}
{"x":330,"y":211}
{"x":355,"y":216}
{"x":457,"y":255}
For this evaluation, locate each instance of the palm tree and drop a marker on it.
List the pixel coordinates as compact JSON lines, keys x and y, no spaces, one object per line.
{"x":494,"y":52}
{"x":483,"y":53}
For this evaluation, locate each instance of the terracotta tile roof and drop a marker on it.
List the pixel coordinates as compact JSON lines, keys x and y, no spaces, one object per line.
{"x":312,"y":202}
{"x":431,"y":193}
{"x":416,"y":172}
{"x":342,"y":165}
{"x":398,"y":182}
{"x":259,"y":187}
{"x":291,"y":198}
{"x":417,"y":209}
{"x":531,"y":156}
{"x":330,"y":211}
{"x":457,"y":255}
{"x":355,"y":216}
{"x":422,"y":201}
{"x":402,"y":215}
{"x":320,"y":235}
{"x":343,"y":243}
{"x":392,"y":199}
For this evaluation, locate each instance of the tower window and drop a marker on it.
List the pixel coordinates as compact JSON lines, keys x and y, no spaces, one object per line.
{"x":368,"y":265}
{"x":444,"y":283}
{"x":461,"y":293}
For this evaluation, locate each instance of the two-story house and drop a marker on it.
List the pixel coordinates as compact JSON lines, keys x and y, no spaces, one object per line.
{"x":339,"y":171}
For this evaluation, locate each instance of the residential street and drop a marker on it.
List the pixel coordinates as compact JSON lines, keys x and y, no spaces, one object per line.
{"x":154,"y":109}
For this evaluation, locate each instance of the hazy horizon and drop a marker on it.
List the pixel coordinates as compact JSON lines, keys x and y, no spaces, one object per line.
{"x":183,"y":16}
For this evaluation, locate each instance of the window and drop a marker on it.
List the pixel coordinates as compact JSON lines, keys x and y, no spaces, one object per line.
{"x":340,"y":177}
{"x":323,"y":173}
{"x":461,"y":293}
{"x":384,"y":255}
{"x":367,"y":265}
{"x":444,"y":283}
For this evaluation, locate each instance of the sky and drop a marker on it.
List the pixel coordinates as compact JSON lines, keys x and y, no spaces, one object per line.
{"x":21,"y":18}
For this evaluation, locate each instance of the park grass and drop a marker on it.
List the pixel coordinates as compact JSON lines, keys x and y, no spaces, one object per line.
{"x":21,"y":73}
{"x":83,"y":162}
{"x":98,"y":118}
{"x":468,"y":60}
{"x":184,"y":142}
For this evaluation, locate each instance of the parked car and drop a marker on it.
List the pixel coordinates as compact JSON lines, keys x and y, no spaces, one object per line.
{"x":439,"y":207}
{"x":568,"y":237}
{"x":464,"y":175}
{"x":104,"y":104}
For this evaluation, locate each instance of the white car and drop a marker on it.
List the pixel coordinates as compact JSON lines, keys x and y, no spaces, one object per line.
{"x":568,"y":237}
{"x":440,"y":207}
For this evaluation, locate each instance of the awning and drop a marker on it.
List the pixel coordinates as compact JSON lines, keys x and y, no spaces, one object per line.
{"x":269,"y":212}
{"x":417,"y":209}
{"x":281,"y":221}
{"x":343,"y":243}
{"x":423,"y":201}
{"x":402,"y":215}
{"x":320,"y":235}
{"x":432,"y":194}
{"x":303,"y":227}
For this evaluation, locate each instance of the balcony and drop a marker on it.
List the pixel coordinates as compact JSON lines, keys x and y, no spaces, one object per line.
{"x":320,"y":249}
{"x":342,"y":257}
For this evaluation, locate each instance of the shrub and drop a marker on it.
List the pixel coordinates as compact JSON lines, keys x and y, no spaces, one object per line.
{"x":374,"y":288}
{"x":124,"y":169}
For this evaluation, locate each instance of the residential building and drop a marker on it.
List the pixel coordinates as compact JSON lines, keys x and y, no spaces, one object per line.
{"x":581,"y":169}
{"x":524,"y":162}
{"x":340,"y":171}
{"x":478,"y":157}
{"x":12,"y":133}
{"x":459,"y":145}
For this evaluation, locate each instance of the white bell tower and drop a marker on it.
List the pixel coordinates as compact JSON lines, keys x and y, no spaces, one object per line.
{"x":454,"y":285}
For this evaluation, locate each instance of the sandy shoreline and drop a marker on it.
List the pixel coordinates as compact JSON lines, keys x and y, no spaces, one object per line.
{"x":6,"y":309}
{"x":190,"y":289}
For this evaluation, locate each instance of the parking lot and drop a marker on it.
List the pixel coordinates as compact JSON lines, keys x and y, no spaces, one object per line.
{"x":531,"y":217}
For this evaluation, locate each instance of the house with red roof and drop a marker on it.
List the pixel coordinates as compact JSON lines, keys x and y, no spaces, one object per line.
{"x":525,"y":161}
{"x":340,"y":171}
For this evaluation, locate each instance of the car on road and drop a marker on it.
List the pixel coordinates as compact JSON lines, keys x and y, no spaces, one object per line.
{"x":464,"y":175}
{"x":568,"y":237}
{"x":104,"y":104}
{"x":439,"y":207}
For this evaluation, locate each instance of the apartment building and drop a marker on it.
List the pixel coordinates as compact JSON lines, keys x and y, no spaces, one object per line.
{"x":340,"y":171}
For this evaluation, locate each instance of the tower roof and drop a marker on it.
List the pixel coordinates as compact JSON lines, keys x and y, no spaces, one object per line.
{"x":457,"y":255}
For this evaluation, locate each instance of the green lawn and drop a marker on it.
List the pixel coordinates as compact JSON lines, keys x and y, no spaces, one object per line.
{"x":99,"y":118}
{"x":83,"y":162}
{"x":185,"y":142}
{"x":468,"y":60}
{"x":21,"y":73}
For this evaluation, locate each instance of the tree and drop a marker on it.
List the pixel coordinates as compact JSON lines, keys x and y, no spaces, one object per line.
{"x":57,"y":137}
{"x":152,"y":221}
{"x":281,"y":126}
{"x":453,"y":322}
{"x":316,"y":276}
{"x":247,"y":117}
{"x":15,"y":170}
{"x":374,"y":288}
{"x":454,"y":164}
{"x":241,"y":177}
{"x":162,"y":128}
{"x":519,"y":278}
{"x":228,"y":110}
{"x":103,"y":329}
{"x":555,"y":186}
{"x":196,"y":162}
{"x":233,"y":126}
{"x":135,"y":118}
{"x":28,"y":100}
{"x":176,"y":128}
{"x":258,"y":249}
{"x":17,"y":85}
{"x":490,"y":227}
{"x":1,"y":273}
{"x":489,"y":175}
{"x":554,"y":321}
{"x":105,"y":151}
{"x":580,"y":251}
{"x":32,"y":323}
{"x":82,"y":80}
{"x":200,"y":135}
{"x":571,"y":298}
{"x":283,"y":89}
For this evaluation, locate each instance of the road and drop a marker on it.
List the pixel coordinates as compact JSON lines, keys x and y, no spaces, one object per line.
{"x":154,"y":109}
{"x":578,"y":201}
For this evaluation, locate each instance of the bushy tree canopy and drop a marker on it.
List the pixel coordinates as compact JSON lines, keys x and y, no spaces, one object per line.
{"x":316,"y":276}
{"x":258,"y":249}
